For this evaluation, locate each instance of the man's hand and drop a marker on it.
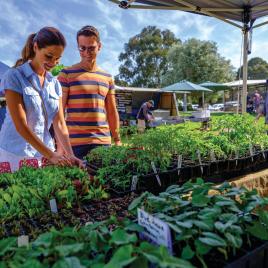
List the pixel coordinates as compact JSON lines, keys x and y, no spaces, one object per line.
{"x":118,"y":143}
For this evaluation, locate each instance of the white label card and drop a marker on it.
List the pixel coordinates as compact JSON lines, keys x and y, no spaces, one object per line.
{"x":23,"y":241}
{"x":53,"y":205}
{"x":134,"y":183}
{"x":155,"y":172}
{"x":199,"y":159}
{"x":212,"y":156}
{"x":251,"y":152}
{"x":179,"y":163}
{"x":155,"y":230}
{"x":236,"y":157}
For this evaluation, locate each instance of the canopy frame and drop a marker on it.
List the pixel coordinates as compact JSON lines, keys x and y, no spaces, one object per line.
{"x":246,"y":27}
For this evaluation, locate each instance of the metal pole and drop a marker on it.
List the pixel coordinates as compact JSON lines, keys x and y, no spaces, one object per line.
{"x":203,"y":99}
{"x":223,"y":100}
{"x":245,"y":69}
{"x":238,"y":100}
{"x":185,"y":102}
{"x":176,"y":103}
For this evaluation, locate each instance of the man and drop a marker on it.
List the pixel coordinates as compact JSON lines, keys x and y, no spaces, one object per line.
{"x":89,"y":96}
{"x":144,"y":115}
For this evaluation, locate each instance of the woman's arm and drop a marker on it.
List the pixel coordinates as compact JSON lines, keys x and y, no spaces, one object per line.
{"x":16,"y":108}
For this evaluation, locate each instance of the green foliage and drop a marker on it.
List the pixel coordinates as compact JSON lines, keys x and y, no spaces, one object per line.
{"x":26,"y":193}
{"x":197,"y":61}
{"x":117,"y":172}
{"x":203,"y":221}
{"x":56,"y":70}
{"x":257,"y":69}
{"x":95,"y":245}
{"x":144,"y":60}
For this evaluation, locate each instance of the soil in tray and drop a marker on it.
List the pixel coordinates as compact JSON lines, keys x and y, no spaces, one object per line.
{"x":90,"y":212}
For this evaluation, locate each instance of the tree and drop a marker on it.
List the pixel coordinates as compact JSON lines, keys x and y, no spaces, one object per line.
{"x":257,"y":69}
{"x":144,"y":59}
{"x":197,"y":61}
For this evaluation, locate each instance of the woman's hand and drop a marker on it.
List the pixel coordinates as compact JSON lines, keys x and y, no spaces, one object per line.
{"x":76,"y":161}
{"x":60,"y":159}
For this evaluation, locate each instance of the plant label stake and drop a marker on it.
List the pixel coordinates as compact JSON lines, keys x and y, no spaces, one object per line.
{"x":236,"y":157}
{"x":134,"y":183}
{"x":53,"y":205}
{"x":251,"y":152}
{"x":212,"y":156}
{"x":155,"y":172}
{"x":155,"y":231}
{"x":263,"y":154}
{"x":179,"y":163}
{"x":23,"y":241}
{"x":200,"y":162}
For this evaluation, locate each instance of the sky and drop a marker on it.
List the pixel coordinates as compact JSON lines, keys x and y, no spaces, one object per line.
{"x":22,"y":17}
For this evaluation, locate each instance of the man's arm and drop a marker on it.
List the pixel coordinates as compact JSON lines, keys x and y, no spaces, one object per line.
{"x":145,"y":111}
{"x":113,"y":117}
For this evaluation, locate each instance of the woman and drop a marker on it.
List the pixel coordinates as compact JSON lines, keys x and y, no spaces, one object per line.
{"x":34,"y":103}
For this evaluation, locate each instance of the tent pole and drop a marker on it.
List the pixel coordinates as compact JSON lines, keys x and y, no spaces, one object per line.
{"x":245,"y":69}
{"x":184,"y":102}
{"x":203,"y":99}
{"x":223,"y":100}
{"x":238,"y":100}
{"x":176,"y":104}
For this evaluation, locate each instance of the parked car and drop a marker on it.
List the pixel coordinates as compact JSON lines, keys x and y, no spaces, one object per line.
{"x":217,"y":107}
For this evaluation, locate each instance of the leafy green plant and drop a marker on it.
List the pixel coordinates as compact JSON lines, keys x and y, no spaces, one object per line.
{"x":27,"y":192}
{"x":106,"y":244}
{"x":205,"y":223}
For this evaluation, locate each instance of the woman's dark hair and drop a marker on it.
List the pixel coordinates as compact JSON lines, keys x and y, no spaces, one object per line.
{"x":47,"y":36}
{"x":88,"y":30}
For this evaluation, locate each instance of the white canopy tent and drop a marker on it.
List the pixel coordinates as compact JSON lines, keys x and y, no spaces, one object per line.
{"x":239,"y":13}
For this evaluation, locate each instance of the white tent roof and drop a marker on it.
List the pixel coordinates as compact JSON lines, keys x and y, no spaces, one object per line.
{"x":137,"y":89}
{"x":231,"y":11}
{"x":249,"y":83}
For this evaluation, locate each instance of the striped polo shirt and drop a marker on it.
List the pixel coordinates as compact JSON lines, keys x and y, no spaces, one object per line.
{"x":86,"y":114}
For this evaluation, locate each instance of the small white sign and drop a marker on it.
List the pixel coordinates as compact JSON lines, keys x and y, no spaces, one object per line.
{"x":53,"y":205}
{"x":23,"y":241}
{"x":155,"y":172}
{"x":134,"y":183}
{"x":212,"y":156}
{"x":155,"y":230}
{"x":236,"y":157}
{"x":200,"y":162}
{"x":251,"y":152}
{"x":179,"y":163}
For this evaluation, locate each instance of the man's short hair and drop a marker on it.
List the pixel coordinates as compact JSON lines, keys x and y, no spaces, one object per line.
{"x":88,"y":30}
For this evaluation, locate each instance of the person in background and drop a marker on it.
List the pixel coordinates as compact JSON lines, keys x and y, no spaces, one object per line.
{"x":33,"y":100}
{"x":256,"y":100}
{"x":145,"y":115}
{"x":89,"y":96}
